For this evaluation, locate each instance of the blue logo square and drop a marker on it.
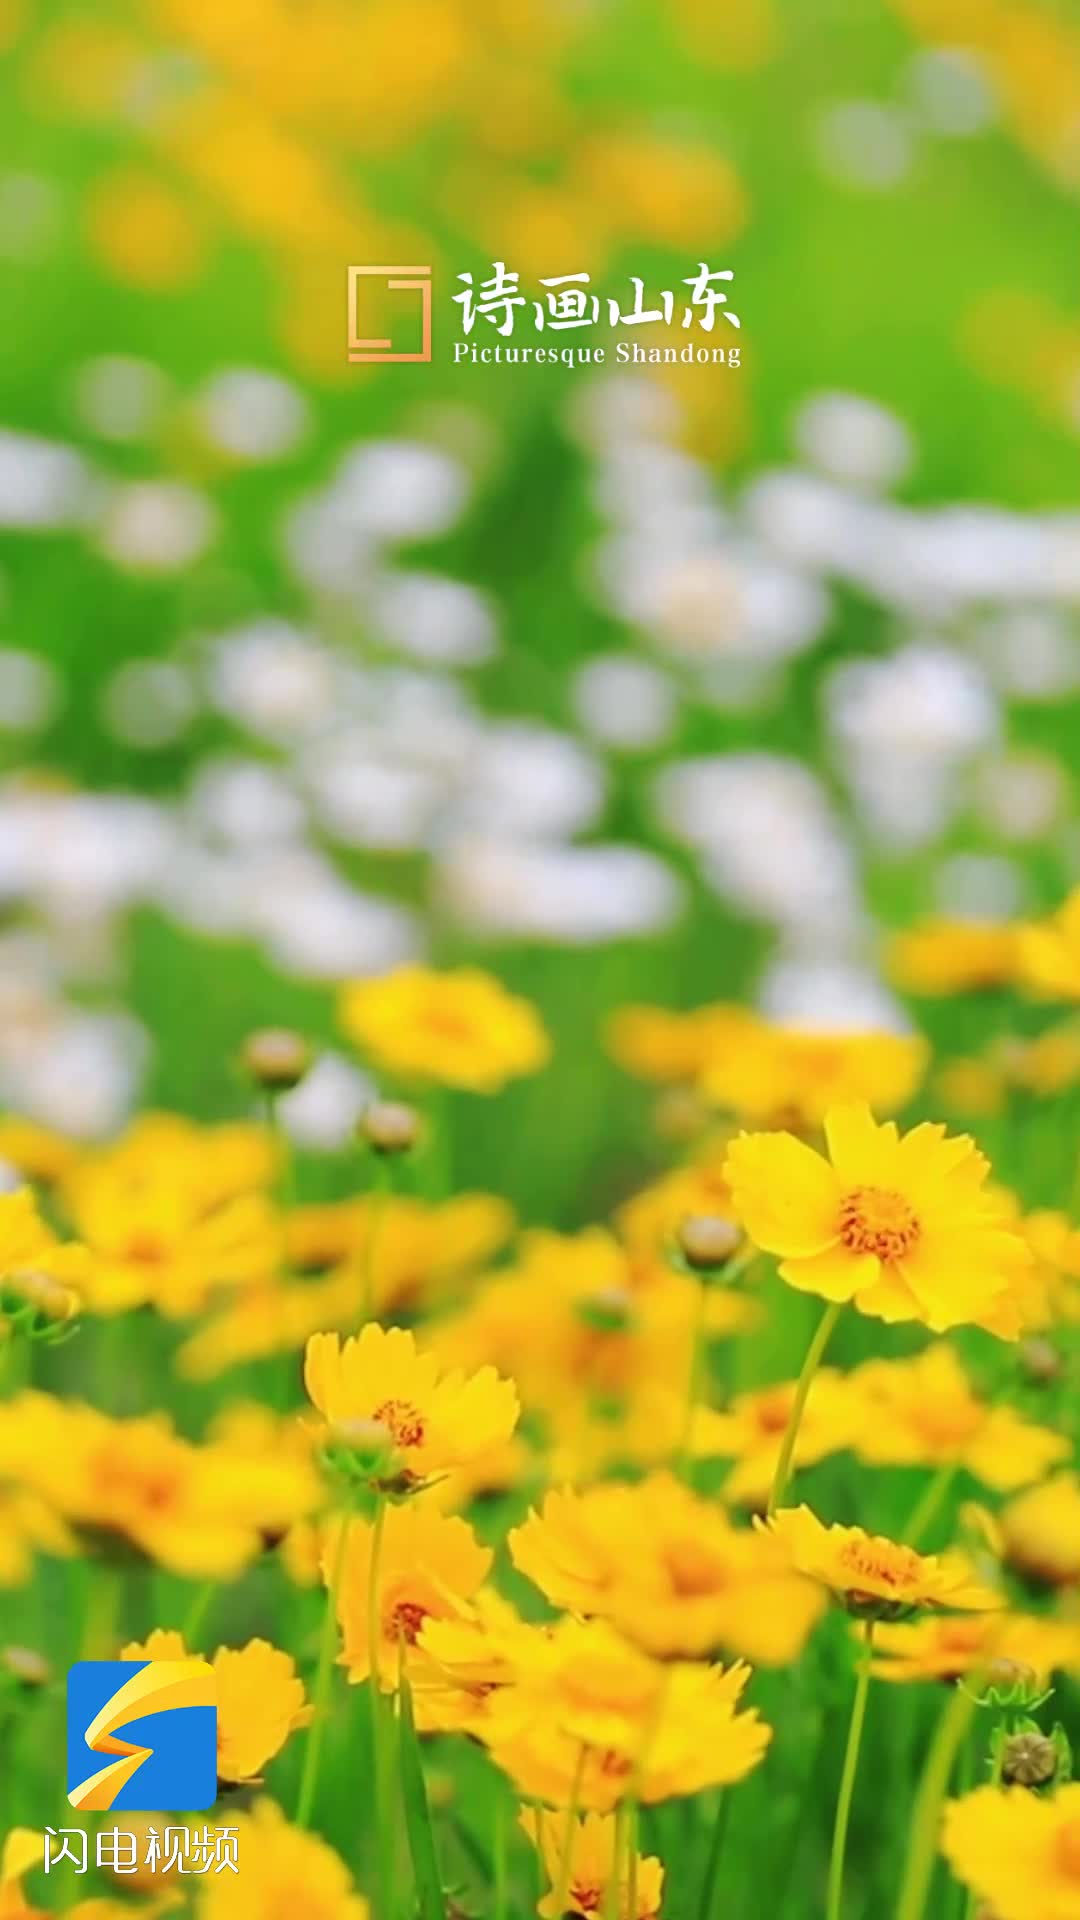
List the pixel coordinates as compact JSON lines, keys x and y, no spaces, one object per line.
{"x":142,"y":1736}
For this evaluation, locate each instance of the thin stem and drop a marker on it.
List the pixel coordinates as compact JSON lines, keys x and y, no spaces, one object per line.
{"x":379,"y":1746}
{"x":814,"y":1356}
{"x":930,"y":1503}
{"x":834,"y":1896}
{"x":716,"y":1848}
{"x":195,"y":1618}
{"x":684,"y":1457}
{"x":309,"y":1778}
{"x":377,"y":1202}
{"x":631,"y":1859}
{"x":499,"y":1859}
{"x":566,"y":1856}
{"x":612,"y":1901}
{"x":934,"y":1785}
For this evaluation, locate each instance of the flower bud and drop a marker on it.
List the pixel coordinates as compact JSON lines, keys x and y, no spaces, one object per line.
{"x":708,"y":1241}
{"x":369,"y":1442}
{"x":276,"y":1058}
{"x":389,"y":1127}
{"x":680,"y":1115}
{"x":1028,"y":1760}
{"x":25,"y":1666}
{"x":1041,"y":1361}
{"x":608,"y":1310}
{"x":44,"y":1292}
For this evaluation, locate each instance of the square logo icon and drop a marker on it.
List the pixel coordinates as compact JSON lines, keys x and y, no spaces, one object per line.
{"x":364,"y":349}
{"x":142,"y":1736}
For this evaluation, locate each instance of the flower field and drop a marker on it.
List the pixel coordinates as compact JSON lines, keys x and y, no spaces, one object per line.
{"x":540,"y":963}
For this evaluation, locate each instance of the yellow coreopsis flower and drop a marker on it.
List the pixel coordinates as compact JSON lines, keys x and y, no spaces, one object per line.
{"x":584,"y":1872}
{"x":1049,"y":952}
{"x":432,"y":1421}
{"x":948,"y":1646}
{"x":23,"y":1849}
{"x":1040,"y":1532}
{"x":465,"y":1661}
{"x":784,"y":1076}
{"x":1019,"y":1852}
{"x":429,"y":1567}
{"x":657,"y":1044}
{"x":460,"y":1029}
{"x":876,"y":1578}
{"x":587,"y":1708}
{"x":283,"y":1870}
{"x":260,"y":1700}
{"x":924,"y":1412}
{"x":899,"y":1224}
{"x":943,"y":956}
{"x":205,"y":1511}
{"x":34,"y":1264}
{"x":669,"y":1570}
{"x":752,"y":1429}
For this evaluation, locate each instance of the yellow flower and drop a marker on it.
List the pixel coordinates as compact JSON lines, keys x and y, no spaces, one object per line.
{"x":923,"y":1412}
{"x":36,"y":1152}
{"x":752,"y":1429}
{"x":164,"y":1227}
{"x":586,"y":1875}
{"x":283,"y":1870}
{"x":900,"y":1224}
{"x":874,"y":1577}
{"x":781,"y":1076}
{"x":465,"y":1661}
{"x":1017,"y":1851}
{"x":669,"y":1570}
{"x":589,"y":1708}
{"x":430,"y":1567}
{"x":1040,"y":1532}
{"x":1049,"y":952}
{"x":657,"y":1044}
{"x":23,"y":1849}
{"x":953,"y":956}
{"x":460,"y":1029}
{"x":948,"y":1646}
{"x":34,"y":1264}
{"x":260,"y":1700}
{"x":206,"y":1511}
{"x":28,"y":1525}
{"x":432,"y":1422}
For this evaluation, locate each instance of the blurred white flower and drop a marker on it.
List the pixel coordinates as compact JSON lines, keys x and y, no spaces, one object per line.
{"x":30,"y":691}
{"x":576,"y":896}
{"x":444,"y":622}
{"x":853,"y":440}
{"x":624,"y":703}
{"x":320,"y":1114}
{"x":120,"y":398}
{"x":400,"y":489}
{"x":365,"y":798}
{"x":43,"y":484}
{"x":244,"y":802}
{"x":148,"y":703}
{"x":864,"y":144}
{"x":1031,"y":653}
{"x":951,"y":91}
{"x":804,"y":988}
{"x":30,"y":216}
{"x":252,"y":415}
{"x":79,"y":1073}
{"x":528,"y":779}
{"x":979,"y":886}
{"x":272,"y":678}
{"x":767,"y":838}
{"x":156,"y":526}
{"x":1021,"y":796}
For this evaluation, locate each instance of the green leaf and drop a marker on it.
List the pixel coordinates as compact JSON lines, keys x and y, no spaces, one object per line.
{"x":418,"y":1814}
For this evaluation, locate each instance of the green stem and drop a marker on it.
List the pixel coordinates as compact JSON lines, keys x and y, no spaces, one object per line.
{"x":934,"y":1785}
{"x":195,"y":1618}
{"x":712,"y":1866}
{"x":377,"y":1199}
{"x":379,"y":1742}
{"x":684,"y":1456}
{"x":613,"y":1900}
{"x":499,"y":1859}
{"x":834,"y":1897}
{"x":566,"y":1856}
{"x":309,"y":1778}
{"x":930,"y":1503}
{"x":814,"y":1356}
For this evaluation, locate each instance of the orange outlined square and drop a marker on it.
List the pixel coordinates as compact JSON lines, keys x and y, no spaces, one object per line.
{"x":400,"y":280}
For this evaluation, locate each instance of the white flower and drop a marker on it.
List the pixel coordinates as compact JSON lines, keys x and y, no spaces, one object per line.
{"x":853,"y":440}
{"x":576,"y":896}
{"x":400,"y":489}
{"x":30,"y":691}
{"x":623,"y":702}
{"x":321,"y":1113}
{"x":156,"y":526}
{"x":444,"y":622}
{"x":120,"y":398}
{"x":251,"y":414}
{"x":272,"y":678}
{"x":42,"y":483}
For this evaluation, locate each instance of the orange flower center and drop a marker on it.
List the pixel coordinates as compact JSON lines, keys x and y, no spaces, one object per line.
{"x":875,"y":1564}
{"x":1067,"y":1849}
{"x":584,"y":1898}
{"x":691,"y":1570}
{"x":404,"y":1421}
{"x":876,"y":1220}
{"x":405,"y":1621}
